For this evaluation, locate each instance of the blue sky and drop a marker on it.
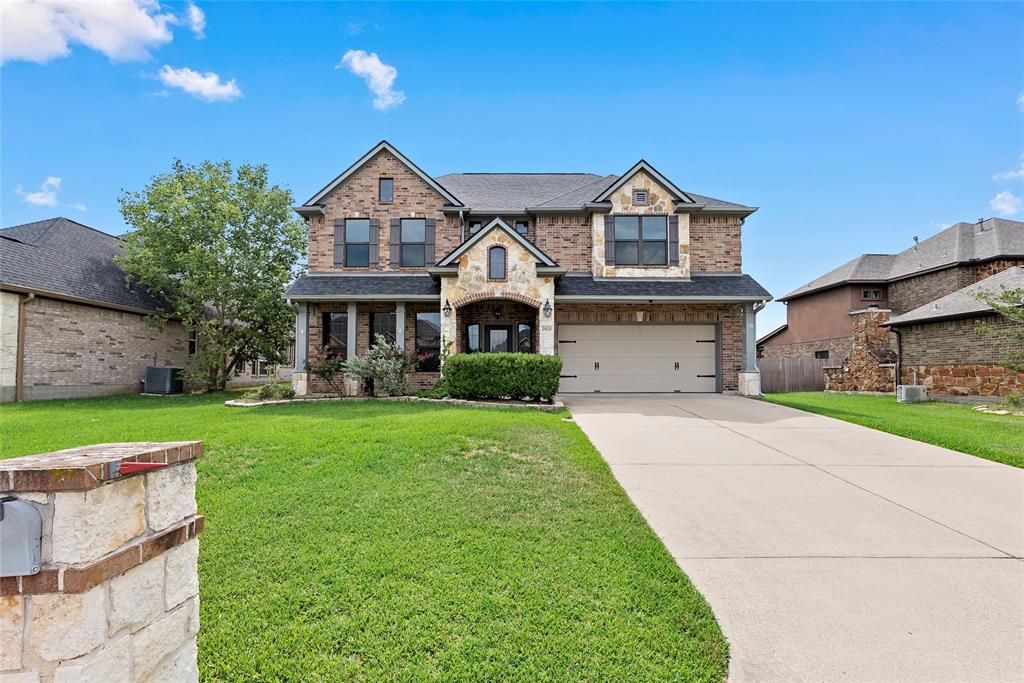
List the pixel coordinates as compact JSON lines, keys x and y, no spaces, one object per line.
{"x":853,"y":126}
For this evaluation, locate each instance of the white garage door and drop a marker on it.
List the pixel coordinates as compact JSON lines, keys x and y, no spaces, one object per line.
{"x":637,"y":358}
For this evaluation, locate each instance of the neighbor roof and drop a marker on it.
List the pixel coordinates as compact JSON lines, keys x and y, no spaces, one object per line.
{"x":963,"y":302}
{"x":62,"y":257}
{"x":964,"y":242}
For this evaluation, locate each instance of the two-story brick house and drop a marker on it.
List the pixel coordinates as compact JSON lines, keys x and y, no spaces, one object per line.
{"x":636,"y":283}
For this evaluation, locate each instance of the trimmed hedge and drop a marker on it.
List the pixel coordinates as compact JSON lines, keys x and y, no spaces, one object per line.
{"x":502,"y":375}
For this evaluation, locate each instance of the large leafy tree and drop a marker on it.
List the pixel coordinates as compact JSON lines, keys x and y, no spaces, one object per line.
{"x":220,"y":246}
{"x":1008,"y":303}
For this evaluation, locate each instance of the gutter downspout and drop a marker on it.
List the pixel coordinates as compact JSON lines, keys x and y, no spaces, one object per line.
{"x":899,"y":358}
{"x":19,"y":361}
{"x":462,"y":227}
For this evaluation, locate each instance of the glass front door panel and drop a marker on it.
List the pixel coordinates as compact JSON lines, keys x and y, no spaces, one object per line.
{"x":499,"y":339}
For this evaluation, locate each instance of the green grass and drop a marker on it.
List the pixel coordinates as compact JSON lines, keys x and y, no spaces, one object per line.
{"x":395,"y":541}
{"x":951,"y":425}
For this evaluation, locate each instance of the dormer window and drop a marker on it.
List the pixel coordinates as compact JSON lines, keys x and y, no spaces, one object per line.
{"x":387,"y":190}
{"x":641,"y":198}
{"x":474,"y":227}
{"x":496,"y":257}
{"x":522,"y":227}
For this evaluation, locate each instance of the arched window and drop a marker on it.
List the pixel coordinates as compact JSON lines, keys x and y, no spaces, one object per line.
{"x":496,"y":263}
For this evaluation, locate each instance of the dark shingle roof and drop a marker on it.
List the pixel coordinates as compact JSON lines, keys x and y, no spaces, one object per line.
{"x":699,"y":286}
{"x":355,"y":286}
{"x":963,"y":302}
{"x":61,"y":256}
{"x":989,"y":239}
{"x":497,"y":192}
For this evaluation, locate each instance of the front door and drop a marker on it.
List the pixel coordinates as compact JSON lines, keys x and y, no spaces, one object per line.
{"x":498,"y":339}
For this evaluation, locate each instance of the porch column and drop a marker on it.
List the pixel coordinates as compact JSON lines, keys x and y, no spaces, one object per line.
{"x":749,"y":377}
{"x":351,"y":337}
{"x":400,"y":325}
{"x":301,"y":337}
{"x":546,"y":335}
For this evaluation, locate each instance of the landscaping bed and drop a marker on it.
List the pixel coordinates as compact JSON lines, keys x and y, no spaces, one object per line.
{"x":368,"y":540}
{"x":951,"y":425}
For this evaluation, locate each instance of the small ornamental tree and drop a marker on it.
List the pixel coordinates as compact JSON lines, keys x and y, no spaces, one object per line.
{"x":386,"y":365}
{"x":328,"y":367}
{"x":1008,"y":303}
{"x":220,"y":246}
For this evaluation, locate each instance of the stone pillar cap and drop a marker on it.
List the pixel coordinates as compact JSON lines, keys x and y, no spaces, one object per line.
{"x":86,"y":467}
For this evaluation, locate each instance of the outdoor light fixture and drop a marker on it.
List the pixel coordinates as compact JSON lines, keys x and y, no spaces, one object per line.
{"x":447,"y":309}
{"x":497,"y":313}
{"x":547,"y":308}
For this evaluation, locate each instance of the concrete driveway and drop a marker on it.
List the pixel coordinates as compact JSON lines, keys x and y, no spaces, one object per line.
{"x":828,"y":551}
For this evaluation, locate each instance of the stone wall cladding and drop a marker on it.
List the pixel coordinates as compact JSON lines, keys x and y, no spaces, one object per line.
{"x":964,"y":379}
{"x":358,"y":197}
{"x":119,"y":602}
{"x":838,"y":348}
{"x":870,"y":364}
{"x":715,"y":243}
{"x":74,"y":350}
{"x":729,"y":316}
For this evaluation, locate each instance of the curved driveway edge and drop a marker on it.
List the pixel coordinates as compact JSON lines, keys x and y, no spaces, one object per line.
{"x":828,"y":551}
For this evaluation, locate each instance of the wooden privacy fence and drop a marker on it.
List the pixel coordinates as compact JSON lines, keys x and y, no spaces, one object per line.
{"x":792,"y":374}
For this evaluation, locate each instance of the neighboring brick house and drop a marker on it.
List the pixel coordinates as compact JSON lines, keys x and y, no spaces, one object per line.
{"x":70,"y":326}
{"x":634,"y":282}
{"x":863,"y":294}
{"x":953,"y":345}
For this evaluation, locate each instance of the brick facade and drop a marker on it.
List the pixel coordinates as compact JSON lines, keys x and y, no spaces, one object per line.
{"x":960,"y":358}
{"x":911,"y":292}
{"x":715,"y":244}
{"x":728,"y":316}
{"x":838,"y":348}
{"x":74,"y":350}
{"x":567,"y":239}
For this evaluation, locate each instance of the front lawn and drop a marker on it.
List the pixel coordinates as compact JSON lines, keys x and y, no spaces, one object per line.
{"x":397,"y":541}
{"x":952,"y":425}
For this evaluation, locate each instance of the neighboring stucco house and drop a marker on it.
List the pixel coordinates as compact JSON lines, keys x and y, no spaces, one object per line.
{"x":70,"y":325}
{"x":952,"y":345}
{"x":850,"y":306}
{"x":636,"y":283}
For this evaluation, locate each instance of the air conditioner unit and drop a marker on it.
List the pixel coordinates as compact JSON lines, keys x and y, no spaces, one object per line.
{"x":911,"y":393}
{"x":163,"y":380}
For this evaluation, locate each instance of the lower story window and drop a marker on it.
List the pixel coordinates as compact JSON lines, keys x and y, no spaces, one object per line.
{"x":259,"y":368}
{"x":382,"y":324}
{"x":428,"y":341}
{"x":821,"y":355}
{"x":193,"y":343}
{"x":336,"y":333}
{"x":473,"y":338}
{"x":524,"y":339}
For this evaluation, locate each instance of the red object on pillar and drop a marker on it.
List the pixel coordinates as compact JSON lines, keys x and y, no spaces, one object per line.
{"x":133,"y":467}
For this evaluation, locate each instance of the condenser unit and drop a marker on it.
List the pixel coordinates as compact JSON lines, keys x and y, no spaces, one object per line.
{"x":911,"y":393}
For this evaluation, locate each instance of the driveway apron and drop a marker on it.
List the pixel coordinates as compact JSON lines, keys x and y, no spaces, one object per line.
{"x":828,"y":551}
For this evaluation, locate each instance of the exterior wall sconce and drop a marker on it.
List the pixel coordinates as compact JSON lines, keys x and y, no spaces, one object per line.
{"x":447,"y":309}
{"x":547,"y":308}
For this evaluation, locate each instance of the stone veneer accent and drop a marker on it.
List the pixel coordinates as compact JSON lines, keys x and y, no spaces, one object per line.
{"x":75,"y":350}
{"x":728,"y":316}
{"x":838,"y":349}
{"x":870,"y":365}
{"x":117,"y":595}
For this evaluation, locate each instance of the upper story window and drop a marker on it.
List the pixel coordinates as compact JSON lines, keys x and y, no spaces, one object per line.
{"x":641,"y":198}
{"x":821,"y":355}
{"x":357,"y":242}
{"x":641,"y":240}
{"x":413,"y":247}
{"x":387,"y":190}
{"x":335,"y":329}
{"x":871,"y":295}
{"x":474,"y":227}
{"x":496,"y":257}
{"x":522,"y":227}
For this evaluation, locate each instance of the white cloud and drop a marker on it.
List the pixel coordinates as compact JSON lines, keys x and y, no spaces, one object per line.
{"x":41,"y":30}
{"x":206,"y":86}
{"x":195,"y":18}
{"x":1006,"y":203}
{"x":379,"y":77}
{"x":79,"y":206}
{"x":47,"y":194}
{"x":1020,"y":100}
{"x":1015,"y":173}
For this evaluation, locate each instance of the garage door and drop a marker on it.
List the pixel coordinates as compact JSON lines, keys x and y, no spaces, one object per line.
{"x":637,"y":358}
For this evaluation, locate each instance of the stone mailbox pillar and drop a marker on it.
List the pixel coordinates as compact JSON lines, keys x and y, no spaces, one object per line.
{"x":116,"y":595}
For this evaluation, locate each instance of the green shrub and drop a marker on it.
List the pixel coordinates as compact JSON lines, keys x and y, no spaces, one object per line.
{"x":271,"y":391}
{"x":502,"y":375}
{"x":386,"y":365}
{"x":439,"y":390}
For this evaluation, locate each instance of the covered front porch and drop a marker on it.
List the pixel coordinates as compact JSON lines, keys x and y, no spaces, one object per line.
{"x":496,"y":325}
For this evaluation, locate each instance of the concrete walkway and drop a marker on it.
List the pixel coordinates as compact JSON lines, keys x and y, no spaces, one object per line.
{"x":828,"y":551}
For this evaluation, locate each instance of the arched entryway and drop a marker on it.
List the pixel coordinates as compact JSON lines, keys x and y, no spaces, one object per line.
{"x":497,"y":325}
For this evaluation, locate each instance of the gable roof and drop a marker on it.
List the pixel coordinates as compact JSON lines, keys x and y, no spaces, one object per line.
{"x":513,"y":192}
{"x":961,"y":243}
{"x":382,"y":146}
{"x":963,"y":303}
{"x":642,"y":165}
{"x":497,"y":224}
{"x":62,"y":257}
{"x":777,"y":330}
